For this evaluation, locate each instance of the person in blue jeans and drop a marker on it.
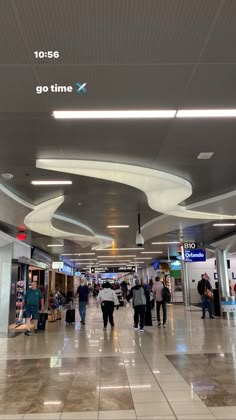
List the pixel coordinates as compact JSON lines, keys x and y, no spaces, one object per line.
{"x":204,"y":284}
{"x":83,"y":293}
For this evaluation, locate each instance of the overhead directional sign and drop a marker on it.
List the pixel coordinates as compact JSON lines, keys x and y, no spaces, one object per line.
{"x":121,"y":269}
{"x":195,"y":255}
{"x":190,"y":245}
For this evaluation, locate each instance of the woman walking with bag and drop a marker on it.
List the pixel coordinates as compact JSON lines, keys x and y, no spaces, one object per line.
{"x":108,"y":299}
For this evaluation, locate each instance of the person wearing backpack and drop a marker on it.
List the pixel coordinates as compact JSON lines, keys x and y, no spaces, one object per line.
{"x":161,"y":297}
{"x":138,"y":296}
{"x":205,"y":291}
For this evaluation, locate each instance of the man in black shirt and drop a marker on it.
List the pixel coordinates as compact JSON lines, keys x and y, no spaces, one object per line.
{"x":202,"y":287}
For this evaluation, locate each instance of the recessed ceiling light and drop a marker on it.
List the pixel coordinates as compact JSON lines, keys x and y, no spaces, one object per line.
{"x":116,"y":256}
{"x":79,"y":204}
{"x":83,"y":253}
{"x":119,"y":249}
{"x":105,"y":261}
{"x":206,"y":113}
{"x":52,"y":402}
{"x":165,"y":243}
{"x":224,"y":224}
{"x":51,"y":182}
{"x":7,"y":177}
{"x":117,"y":227}
{"x":52,"y":245}
{"x":152,"y":252}
{"x":83,"y":259}
{"x":143,"y":258}
{"x":205,"y":155}
{"x":138,"y":262}
{"x":116,"y":114}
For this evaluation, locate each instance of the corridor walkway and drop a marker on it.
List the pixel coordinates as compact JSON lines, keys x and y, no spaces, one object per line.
{"x":186,"y":371}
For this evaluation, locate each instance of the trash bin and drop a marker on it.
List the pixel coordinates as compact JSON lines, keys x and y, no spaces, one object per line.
{"x":228,"y":307}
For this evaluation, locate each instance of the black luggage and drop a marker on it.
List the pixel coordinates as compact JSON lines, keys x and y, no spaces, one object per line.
{"x":70,"y":316}
{"x":42,"y":321}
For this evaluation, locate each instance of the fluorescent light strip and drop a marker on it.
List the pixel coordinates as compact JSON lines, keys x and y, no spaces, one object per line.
{"x":118,"y":226}
{"x":104,"y":261}
{"x":116,"y":256}
{"x":206,"y":113}
{"x":224,"y":224}
{"x":152,"y":252}
{"x":52,"y":402}
{"x":114,"y":264}
{"x":115,"y":114}
{"x":143,"y":258}
{"x":165,"y":243}
{"x":119,"y":249}
{"x":52,"y":245}
{"x":51,"y":182}
{"x":83,"y":259}
{"x":83,"y":253}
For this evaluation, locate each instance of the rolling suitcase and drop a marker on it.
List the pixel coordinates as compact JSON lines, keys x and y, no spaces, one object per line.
{"x":42,"y":321}
{"x":70,"y":316}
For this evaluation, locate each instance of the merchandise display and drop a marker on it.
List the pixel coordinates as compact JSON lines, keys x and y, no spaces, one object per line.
{"x":20,"y":291}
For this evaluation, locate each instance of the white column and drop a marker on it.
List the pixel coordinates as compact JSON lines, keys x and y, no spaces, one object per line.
{"x":222,"y":272}
{"x":185,"y":283}
{"x":6,"y":287}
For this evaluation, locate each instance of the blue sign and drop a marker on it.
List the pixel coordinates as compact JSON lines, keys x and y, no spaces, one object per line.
{"x":195,"y":255}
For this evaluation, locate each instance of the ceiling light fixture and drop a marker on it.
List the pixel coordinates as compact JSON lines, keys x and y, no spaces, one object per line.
{"x":205,"y":155}
{"x":165,"y":243}
{"x":7,"y":176}
{"x":118,"y":227}
{"x":224,"y":224}
{"x":83,"y":253}
{"x":116,"y":256}
{"x":83,"y":259}
{"x":105,"y":261}
{"x":119,"y":249}
{"x":52,"y":245}
{"x":143,"y":258}
{"x":116,"y":114}
{"x":152,"y":252}
{"x":51,"y":182}
{"x":206,"y":113}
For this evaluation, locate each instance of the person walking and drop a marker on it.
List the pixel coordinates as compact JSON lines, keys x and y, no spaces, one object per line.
{"x":108,"y":299}
{"x":205,"y":291}
{"x":157,"y":291}
{"x":83,"y":294}
{"x":139,"y":299}
{"x":33,"y":304}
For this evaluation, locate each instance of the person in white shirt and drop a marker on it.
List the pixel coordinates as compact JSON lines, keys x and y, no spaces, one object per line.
{"x":157,"y":291}
{"x":108,"y":299}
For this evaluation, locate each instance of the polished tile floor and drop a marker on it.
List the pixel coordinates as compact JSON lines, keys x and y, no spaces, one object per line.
{"x":186,"y":371}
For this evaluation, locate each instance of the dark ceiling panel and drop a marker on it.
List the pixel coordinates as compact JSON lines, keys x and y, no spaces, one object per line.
{"x":12,"y":46}
{"x":118,"y":32}
{"x":185,"y":140}
{"x":211,"y":87}
{"x":17,"y":87}
{"x":221,"y":45}
{"x":114,"y":87}
{"x":131,"y":53}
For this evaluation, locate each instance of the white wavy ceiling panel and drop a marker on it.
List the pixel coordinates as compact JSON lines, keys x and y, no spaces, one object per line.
{"x":39,"y":220}
{"x":164,"y":191}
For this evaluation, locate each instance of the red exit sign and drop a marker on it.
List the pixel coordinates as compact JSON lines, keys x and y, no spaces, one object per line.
{"x":21,"y":236}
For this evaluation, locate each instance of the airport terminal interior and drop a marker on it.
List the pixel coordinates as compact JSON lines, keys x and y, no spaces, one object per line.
{"x":117,"y":210}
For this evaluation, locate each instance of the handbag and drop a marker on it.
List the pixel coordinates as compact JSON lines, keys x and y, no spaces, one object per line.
{"x":208,"y":293}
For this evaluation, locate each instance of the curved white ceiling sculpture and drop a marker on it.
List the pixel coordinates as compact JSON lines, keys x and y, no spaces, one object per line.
{"x":40,"y":220}
{"x":164,"y":191}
